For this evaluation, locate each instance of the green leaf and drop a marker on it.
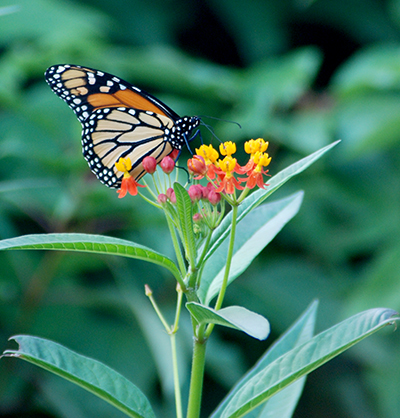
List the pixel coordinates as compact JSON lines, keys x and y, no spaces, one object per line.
{"x":374,"y":68}
{"x":283,"y":403}
{"x":368,"y":122}
{"x":68,"y":22}
{"x":85,"y":372}
{"x":268,"y":85}
{"x":89,"y":243}
{"x":256,"y":198}
{"x":251,"y":238}
{"x":236,"y":317}
{"x":305,"y":358}
{"x":185,"y":211}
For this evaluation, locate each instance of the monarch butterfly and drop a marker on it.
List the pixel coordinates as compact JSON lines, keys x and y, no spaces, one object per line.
{"x":118,"y":120}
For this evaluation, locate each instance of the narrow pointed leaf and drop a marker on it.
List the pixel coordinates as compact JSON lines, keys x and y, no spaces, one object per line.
{"x":304,"y":359}
{"x":252,"y":236}
{"x":89,"y":243}
{"x":90,"y":374}
{"x":256,"y":198}
{"x":236,"y":317}
{"x":185,"y":210}
{"x":283,"y":403}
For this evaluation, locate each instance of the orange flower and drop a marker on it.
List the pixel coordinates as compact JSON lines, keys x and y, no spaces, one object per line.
{"x":209,"y":156}
{"x":228,"y":183}
{"x":224,"y":172}
{"x":253,"y":147}
{"x":128,"y":183}
{"x":255,"y":177}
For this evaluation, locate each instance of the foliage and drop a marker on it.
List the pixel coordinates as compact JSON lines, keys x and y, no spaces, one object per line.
{"x":340,"y":247}
{"x":236,"y":240}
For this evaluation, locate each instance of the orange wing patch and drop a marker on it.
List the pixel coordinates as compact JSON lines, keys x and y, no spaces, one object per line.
{"x":99,"y":100}
{"x":75,"y":80}
{"x":127,"y":98}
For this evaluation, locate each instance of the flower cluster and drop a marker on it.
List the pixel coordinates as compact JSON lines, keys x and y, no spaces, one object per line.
{"x":224,"y":173}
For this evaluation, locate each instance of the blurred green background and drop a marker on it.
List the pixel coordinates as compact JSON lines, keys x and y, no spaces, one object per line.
{"x":299,"y":73}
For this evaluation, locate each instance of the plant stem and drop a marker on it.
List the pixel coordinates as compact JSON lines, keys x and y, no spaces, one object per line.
{"x":178,"y":398}
{"x":205,"y":249}
{"x":177,"y":249}
{"x":178,"y":308}
{"x":149,"y":294}
{"x":171,"y":330}
{"x":224,"y":285}
{"x":196,"y":379}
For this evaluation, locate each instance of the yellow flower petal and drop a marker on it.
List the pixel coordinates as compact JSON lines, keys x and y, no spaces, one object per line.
{"x":124,"y":165}
{"x":228,"y":164}
{"x":227,"y":148}
{"x":255,"y":145}
{"x":209,"y":154}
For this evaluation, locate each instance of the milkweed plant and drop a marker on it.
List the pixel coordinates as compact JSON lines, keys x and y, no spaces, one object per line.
{"x":218,"y":222}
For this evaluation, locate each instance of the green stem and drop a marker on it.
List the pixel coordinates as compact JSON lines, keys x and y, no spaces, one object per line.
{"x":178,"y":308}
{"x":149,"y":200}
{"x":178,"y":398}
{"x":224,"y":285}
{"x":149,"y":294}
{"x":205,"y":249}
{"x":222,"y":292}
{"x":171,"y":330}
{"x":177,"y":249}
{"x":196,"y":379}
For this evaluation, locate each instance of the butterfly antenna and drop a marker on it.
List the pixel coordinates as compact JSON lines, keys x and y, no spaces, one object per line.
{"x":222,"y":120}
{"x":211,"y":130}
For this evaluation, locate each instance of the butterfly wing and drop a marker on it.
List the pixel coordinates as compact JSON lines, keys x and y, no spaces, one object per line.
{"x":118,"y":120}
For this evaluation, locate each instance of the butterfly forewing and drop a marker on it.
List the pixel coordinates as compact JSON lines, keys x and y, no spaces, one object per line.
{"x":118,"y":120}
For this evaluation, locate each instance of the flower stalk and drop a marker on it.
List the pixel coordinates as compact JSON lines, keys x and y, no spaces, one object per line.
{"x":196,"y":378}
{"x":192,"y":214}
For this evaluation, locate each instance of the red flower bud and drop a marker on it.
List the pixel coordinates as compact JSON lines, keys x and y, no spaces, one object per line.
{"x":205,"y":191}
{"x":149,"y":164}
{"x":167,"y":164}
{"x":171,"y":195}
{"x":162,"y":198}
{"x":197,"y":217}
{"x":214,"y":197}
{"x":210,"y":186}
{"x":195,"y":192}
{"x":169,"y":192}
